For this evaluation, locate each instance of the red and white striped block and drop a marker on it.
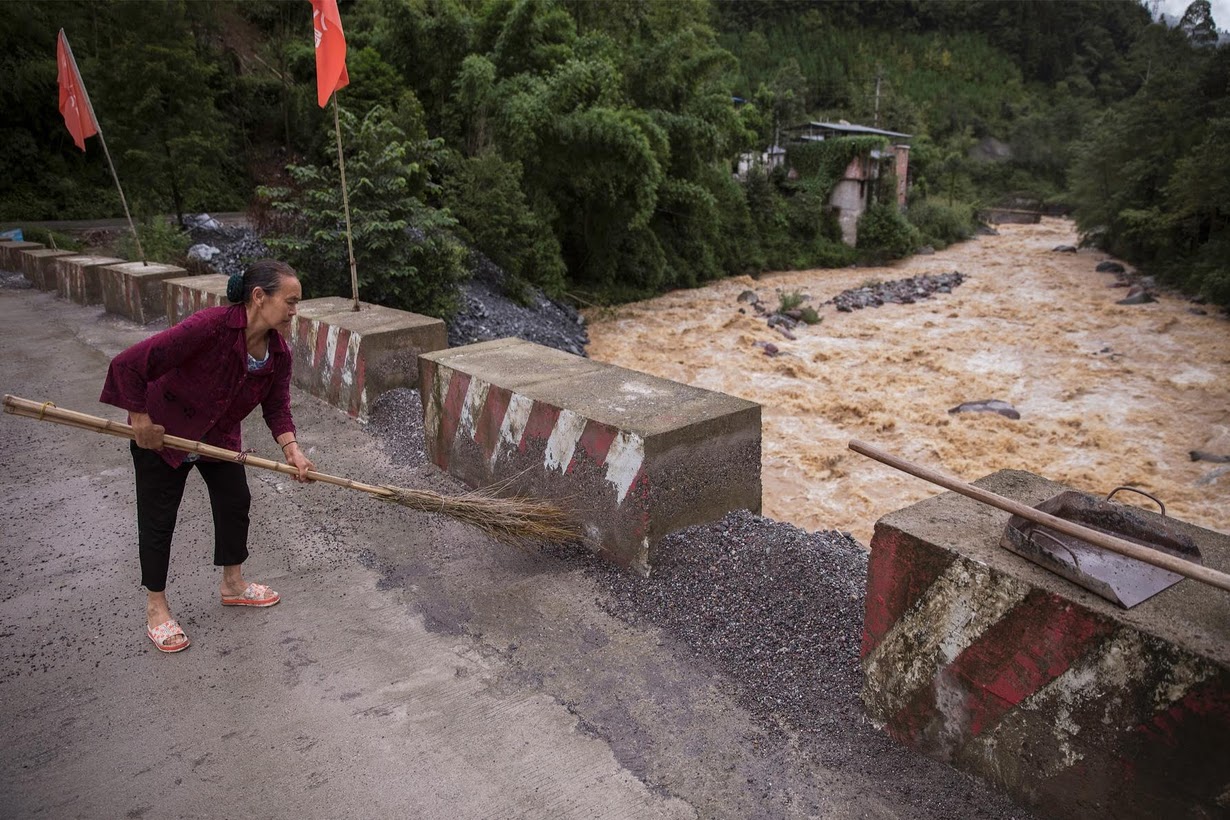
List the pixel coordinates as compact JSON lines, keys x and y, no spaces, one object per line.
{"x":983,"y":660}
{"x":188,"y":294}
{"x":39,"y":265}
{"x":349,"y":358}
{"x":11,"y":252}
{"x":136,"y":291}
{"x":79,"y":278}
{"x":328,"y":364}
{"x":628,"y":484}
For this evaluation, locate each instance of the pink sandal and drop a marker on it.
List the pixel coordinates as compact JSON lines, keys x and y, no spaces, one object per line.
{"x":165,"y":631}
{"x":254,"y":595}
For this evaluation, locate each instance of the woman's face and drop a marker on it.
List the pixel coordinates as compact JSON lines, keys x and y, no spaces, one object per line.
{"x":277,"y":309}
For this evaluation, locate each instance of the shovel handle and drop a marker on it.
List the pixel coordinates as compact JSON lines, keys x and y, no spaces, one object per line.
{"x":1188,"y":569}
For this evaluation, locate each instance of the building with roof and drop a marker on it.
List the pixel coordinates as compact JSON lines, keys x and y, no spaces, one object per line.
{"x":851,"y":196}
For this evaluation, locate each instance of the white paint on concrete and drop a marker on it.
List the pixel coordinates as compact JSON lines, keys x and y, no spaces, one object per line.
{"x":351,"y":366}
{"x":326,"y":366}
{"x":472,"y":406}
{"x":511,"y":429}
{"x":563,"y":440}
{"x":623,"y":462}
{"x":641,"y":389}
{"x":433,"y":404}
{"x":958,"y":608}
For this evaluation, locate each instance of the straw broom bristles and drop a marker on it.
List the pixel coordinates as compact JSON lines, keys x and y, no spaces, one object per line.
{"x":518,"y":521}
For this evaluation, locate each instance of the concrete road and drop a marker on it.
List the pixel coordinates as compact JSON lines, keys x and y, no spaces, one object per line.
{"x":415,"y":668}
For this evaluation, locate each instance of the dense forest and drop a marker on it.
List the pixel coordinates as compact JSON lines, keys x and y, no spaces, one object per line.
{"x":587,"y":146}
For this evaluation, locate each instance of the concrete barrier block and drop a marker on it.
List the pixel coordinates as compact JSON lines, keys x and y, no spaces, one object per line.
{"x":79,"y":278}
{"x":186,"y":295}
{"x":39,"y":266}
{"x":633,"y":457}
{"x":1075,"y":706}
{"x":349,"y":358}
{"x":10,"y":254}
{"x":135,"y":289}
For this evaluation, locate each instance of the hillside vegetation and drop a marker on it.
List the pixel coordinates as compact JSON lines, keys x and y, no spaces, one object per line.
{"x":587,"y":146}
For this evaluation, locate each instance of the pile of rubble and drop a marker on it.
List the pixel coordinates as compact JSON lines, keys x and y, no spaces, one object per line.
{"x":900,"y":292}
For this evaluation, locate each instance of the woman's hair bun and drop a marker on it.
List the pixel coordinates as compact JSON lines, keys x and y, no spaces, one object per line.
{"x":234,"y":288}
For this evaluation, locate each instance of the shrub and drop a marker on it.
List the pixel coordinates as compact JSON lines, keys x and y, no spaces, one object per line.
{"x":53,"y":239}
{"x":940,"y":225}
{"x":883,"y":233}
{"x":162,"y":241}
{"x":790,"y":301}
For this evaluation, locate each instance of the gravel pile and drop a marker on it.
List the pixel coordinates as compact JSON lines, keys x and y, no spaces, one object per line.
{"x":14,"y":280}
{"x":396,"y":419}
{"x":901,"y":291}
{"x":777,"y":609}
{"x":238,"y":246}
{"x":488,"y":313}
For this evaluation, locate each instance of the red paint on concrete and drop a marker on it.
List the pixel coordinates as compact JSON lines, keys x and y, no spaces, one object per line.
{"x":360,"y":383}
{"x":334,"y":388}
{"x":1034,"y":643}
{"x":594,"y":445}
{"x":540,"y":424}
{"x":900,"y":571}
{"x":450,"y":416}
{"x":1031,"y":645}
{"x":487,"y":426}
{"x":322,"y":341}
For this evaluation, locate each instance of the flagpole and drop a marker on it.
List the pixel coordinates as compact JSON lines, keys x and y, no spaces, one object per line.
{"x":341,"y":166}
{"x":106,"y":153}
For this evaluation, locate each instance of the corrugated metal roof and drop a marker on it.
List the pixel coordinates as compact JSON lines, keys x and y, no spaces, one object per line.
{"x":847,"y":128}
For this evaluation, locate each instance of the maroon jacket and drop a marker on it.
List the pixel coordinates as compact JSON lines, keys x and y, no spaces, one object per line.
{"x":193,"y":379}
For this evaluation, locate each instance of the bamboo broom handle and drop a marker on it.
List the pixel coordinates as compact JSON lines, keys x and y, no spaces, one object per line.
{"x":47,"y":412}
{"x":1157,"y":558}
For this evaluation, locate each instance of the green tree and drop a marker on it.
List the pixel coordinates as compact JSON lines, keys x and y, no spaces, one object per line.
{"x":405,"y":252}
{"x":1197,"y":23}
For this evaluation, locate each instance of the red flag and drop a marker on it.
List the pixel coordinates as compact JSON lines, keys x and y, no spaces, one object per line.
{"x":330,"y":50}
{"x":74,"y":105}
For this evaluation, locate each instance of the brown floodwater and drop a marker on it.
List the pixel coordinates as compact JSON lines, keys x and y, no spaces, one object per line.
{"x":1108,"y":394}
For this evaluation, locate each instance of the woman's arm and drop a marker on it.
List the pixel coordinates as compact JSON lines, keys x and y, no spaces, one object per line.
{"x":133,"y":369}
{"x":295,"y":456}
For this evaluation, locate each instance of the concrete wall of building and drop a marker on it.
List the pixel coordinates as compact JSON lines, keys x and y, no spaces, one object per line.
{"x":901,"y":168}
{"x":1072,"y":704}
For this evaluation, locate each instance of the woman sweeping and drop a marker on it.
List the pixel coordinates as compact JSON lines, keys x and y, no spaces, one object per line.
{"x":199,"y":380}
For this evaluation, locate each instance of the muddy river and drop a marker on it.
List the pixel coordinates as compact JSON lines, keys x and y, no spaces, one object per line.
{"x":1108,"y":394}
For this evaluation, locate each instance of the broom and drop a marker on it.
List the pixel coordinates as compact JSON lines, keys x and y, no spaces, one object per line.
{"x":518,"y":521}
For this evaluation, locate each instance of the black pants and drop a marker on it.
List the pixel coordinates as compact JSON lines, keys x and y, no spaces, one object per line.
{"x":159,"y":490}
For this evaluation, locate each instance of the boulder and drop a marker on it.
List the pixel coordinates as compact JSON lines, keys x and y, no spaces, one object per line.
{"x":987,"y":406}
{"x":1110,"y":267}
{"x":1136,"y":296}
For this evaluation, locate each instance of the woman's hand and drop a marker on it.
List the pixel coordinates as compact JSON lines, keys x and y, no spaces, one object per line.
{"x":149,"y":435}
{"x":296,"y":459}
